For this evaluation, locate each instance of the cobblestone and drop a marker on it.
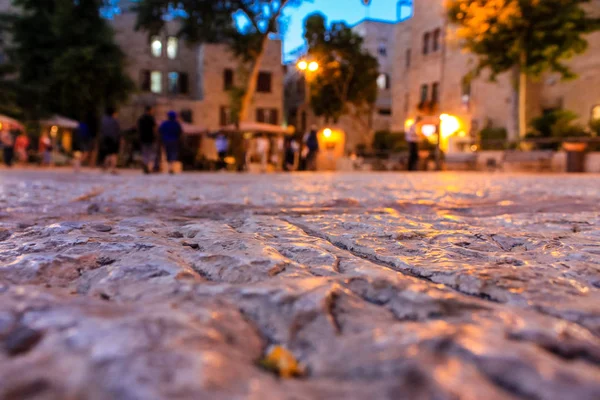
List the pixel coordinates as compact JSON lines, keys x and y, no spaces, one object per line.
{"x":383,"y":286}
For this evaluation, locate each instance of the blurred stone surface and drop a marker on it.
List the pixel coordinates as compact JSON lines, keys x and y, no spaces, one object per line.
{"x":383,"y":286}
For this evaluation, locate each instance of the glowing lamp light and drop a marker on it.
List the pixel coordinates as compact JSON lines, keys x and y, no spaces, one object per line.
{"x":327,"y":133}
{"x":1,"y":126}
{"x":302,"y":65}
{"x":313,"y":66}
{"x":449,"y":125}
{"x":54,"y":130}
{"x":408,"y":123}
{"x":474,"y":148}
{"x":428,"y":130}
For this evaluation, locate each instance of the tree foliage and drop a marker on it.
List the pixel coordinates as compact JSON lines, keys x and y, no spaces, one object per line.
{"x":66,"y":57}
{"x":346,"y":82}
{"x":245,"y":25}
{"x":537,"y":36}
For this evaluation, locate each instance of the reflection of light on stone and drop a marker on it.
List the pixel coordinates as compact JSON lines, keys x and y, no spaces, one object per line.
{"x":428,"y":130}
{"x":327,"y":133}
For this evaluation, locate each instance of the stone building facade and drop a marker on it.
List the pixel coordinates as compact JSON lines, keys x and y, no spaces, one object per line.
{"x":194,"y":80}
{"x":430,"y":68}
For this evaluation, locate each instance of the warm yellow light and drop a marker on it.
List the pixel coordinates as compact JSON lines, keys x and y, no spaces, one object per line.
{"x":313,"y":66}
{"x":1,"y":126}
{"x":327,"y":133}
{"x":462,"y":133}
{"x":302,"y":65}
{"x":449,"y":125}
{"x":474,"y":147}
{"x":428,"y":130}
{"x":54,"y":130}
{"x":408,"y":123}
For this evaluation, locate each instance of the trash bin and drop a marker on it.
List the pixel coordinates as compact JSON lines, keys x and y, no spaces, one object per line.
{"x":575,"y":157}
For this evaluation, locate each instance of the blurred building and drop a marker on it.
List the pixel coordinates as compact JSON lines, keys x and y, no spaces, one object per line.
{"x":194,"y":80}
{"x":430,"y":71}
{"x":378,"y":41}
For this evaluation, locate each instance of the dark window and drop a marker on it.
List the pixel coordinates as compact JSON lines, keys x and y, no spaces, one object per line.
{"x":227,"y":79}
{"x":173,"y":79}
{"x":426,"y":43}
{"x":184,"y":83}
{"x":424,"y":93}
{"x":260,"y":115}
{"x":267,"y":115}
{"x":187,"y":115}
{"x":225,"y":116}
{"x":408,"y":58}
{"x":382,"y":50}
{"x":436,"y":39}
{"x":264,"y":82}
{"x":178,"y":83}
{"x":274,"y":117}
{"x":385,"y":111}
{"x":145,"y":80}
{"x":465,"y":94}
{"x":435,"y":93}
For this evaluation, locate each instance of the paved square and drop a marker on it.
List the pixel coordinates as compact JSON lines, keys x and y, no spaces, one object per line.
{"x":384,"y":286}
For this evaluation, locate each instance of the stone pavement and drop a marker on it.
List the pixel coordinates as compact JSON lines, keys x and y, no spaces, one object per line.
{"x":384,"y":286}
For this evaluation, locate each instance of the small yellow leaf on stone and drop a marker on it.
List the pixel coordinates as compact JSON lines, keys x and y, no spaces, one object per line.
{"x":282,"y":361}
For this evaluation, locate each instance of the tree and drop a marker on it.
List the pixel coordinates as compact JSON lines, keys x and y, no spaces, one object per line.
{"x":245,"y":25}
{"x":346,"y":83}
{"x":66,"y":57}
{"x":523,"y":36}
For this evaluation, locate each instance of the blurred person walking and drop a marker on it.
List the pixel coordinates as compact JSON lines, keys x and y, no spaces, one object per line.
{"x":21,"y":147}
{"x":222,"y":145}
{"x":110,"y":132}
{"x":7,"y":139}
{"x":170,"y":134}
{"x":412,"y":138}
{"x":148,"y":140}
{"x":45,"y":149}
{"x":312,"y":145}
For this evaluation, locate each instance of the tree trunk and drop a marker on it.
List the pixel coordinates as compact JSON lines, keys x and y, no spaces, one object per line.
{"x":513,"y":129}
{"x":522,"y":104}
{"x":252,"y":81}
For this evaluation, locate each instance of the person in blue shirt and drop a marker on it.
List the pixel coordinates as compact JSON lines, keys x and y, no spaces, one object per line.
{"x":222,"y":145}
{"x":170,"y":134}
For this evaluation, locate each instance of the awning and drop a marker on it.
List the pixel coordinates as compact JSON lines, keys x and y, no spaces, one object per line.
{"x":61,"y":122}
{"x":259,"y":127}
{"x":192,"y":130}
{"x":11,"y":123}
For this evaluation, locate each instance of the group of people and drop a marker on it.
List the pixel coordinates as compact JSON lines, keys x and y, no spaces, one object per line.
{"x":154,"y":139}
{"x":16,"y":145}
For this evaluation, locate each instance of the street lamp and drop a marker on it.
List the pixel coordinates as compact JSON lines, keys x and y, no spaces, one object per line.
{"x":303,"y":65}
{"x":313,"y":66}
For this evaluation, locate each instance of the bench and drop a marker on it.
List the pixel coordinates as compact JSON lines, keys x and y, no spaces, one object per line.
{"x":468,"y":160}
{"x":537,"y":160}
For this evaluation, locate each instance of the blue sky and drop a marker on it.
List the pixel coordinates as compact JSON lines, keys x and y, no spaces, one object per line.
{"x":350,"y":11}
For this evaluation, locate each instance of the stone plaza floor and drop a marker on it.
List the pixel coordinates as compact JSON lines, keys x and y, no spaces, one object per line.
{"x":382,"y":286}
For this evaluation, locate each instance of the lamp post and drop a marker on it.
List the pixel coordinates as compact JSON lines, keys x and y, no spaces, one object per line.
{"x":307,"y":68}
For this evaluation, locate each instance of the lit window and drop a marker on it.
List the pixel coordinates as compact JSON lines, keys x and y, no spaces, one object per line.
{"x":156,"y":82}
{"x":173,"y":85}
{"x":172,"y":47}
{"x":156,"y":46}
{"x":383,"y":81}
